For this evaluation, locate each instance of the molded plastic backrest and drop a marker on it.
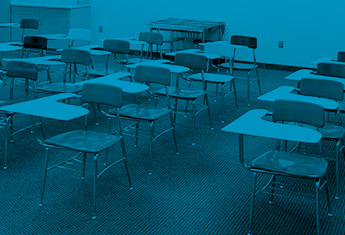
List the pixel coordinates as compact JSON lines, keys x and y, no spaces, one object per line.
{"x":29,"y":24}
{"x":151,"y":74}
{"x":331,"y":69}
{"x":35,"y":42}
{"x":341,"y":56}
{"x":190,"y":60}
{"x":322,"y":88}
{"x":79,"y":34}
{"x":250,"y":42}
{"x":116,"y":46}
{"x":297,"y":111}
{"x":22,"y":69}
{"x":76,"y":56}
{"x":152,"y":38}
{"x":102,"y":94}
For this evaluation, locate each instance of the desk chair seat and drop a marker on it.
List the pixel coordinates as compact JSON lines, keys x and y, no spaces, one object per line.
{"x":89,"y":142}
{"x":59,"y":87}
{"x":146,"y":112}
{"x":331,"y":90}
{"x":182,"y":93}
{"x":84,"y":141}
{"x":286,"y":164}
{"x":297,"y":165}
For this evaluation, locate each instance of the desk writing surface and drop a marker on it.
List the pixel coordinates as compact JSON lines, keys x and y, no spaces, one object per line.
{"x":113,"y":80}
{"x":44,"y":60}
{"x":48,"y":107}
{"x":252,"y":124}
{"x":9,"y":25}
{"x":161,"y":64}
{"x":5,"y":47}
{"x":308,"y":73}
{"x":210,"y":56}
{"x":284,"y":92}
{"x":95,"y":50}
{"x":132,"y":40}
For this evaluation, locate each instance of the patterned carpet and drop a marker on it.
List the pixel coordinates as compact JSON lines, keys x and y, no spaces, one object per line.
{"x":203,"y":190}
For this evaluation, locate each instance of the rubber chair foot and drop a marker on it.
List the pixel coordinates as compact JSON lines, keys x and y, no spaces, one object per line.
{"x":40,"y":204}
{"x":94,"y":217}
{"x":330,"y":214}
{"x":336,"y":197}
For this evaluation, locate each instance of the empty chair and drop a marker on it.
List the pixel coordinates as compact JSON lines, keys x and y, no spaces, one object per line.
{"x":341,"y":56}
{"x":117,"y":47}
{"x":148,"y":113}
{"x":330,"y":90}
{"x":152,"y":39}
{"x":291,"y":165}
{"x":89,"y":142}
{"x":28,"y":24}
{"x":34,"y":43}
{"x":78,"y":34}
{"x":226,"y":51}
{"x":73,"y":58}
{"x":331,"y":69}
{"x":196,"y":62}
{"x":251,"y":67}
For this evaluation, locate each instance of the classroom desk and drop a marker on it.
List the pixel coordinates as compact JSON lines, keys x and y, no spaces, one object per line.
{"x":46,"y":107}
{"x":114,"y":80}
{"x":197,"y":27}
{"x":252,"y":124}
{"x":308,"y":73}
{"x":162,"y":64}
{"x":284,"y":92}
{"x":6,"y":47}
{"x":9,"y":25}
{"x":209,"y":56}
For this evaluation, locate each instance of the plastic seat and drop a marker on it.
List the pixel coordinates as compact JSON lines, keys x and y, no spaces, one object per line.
{"x":152,"y":39}
{"x":292,"y":165}
{"x":250,"y":66}
{"x":28,"y":24}
{"x":149,"y":113}
{"x":73,"y":58}
{"x":331,"y":69}
{"x":330,"y":90}
{"x":196,"y":62}
{"x":117,"y":47}
{"x":89,"y":142}
{"x":36,"y":43}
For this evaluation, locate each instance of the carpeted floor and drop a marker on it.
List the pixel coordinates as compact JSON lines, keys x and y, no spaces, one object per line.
{"x":203,"y":190}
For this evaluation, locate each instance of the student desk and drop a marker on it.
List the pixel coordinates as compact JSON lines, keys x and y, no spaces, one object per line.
{"x":47,"y":107}
{"x":162,"y":64}
{"x":285,"y":92}
{"x":308,"y":73}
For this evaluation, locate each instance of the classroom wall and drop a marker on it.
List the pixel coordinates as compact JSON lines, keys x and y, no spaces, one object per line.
{"x":310,"y":29}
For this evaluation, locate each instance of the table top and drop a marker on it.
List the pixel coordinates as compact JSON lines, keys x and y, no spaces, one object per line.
{"x":6,"y":47}
{"x":132,"y":40}
{"x":184,"y":24}
{"x":44,"y":60}
{"x":252,"y":124}
{"x":234,"y":46}
{"x":57,"y":36}
{"x":210,"y":56}
{"x":284,"y":92}
{"x":308,"y":73}
{"x":9,"y":25}
{"x":95,"y":50}
{"x":48,"y":107}
{"x":114,"y":80}
{"x":161,"y":63}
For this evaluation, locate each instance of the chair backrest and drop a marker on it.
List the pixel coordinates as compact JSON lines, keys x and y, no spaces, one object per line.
{"x":116,"y":46}
{"x":29,"y":24}
{"x":331,"y":69}
{"x":297,"y":111}
{"x":102,"y":94}
{"x":22,"y":69}
{"x":151,"y":38}
{"x":76,"y":56}
{"x":190,"y":60}
{"x":341,"y":56}
{"x":250,"y":42}
{"x":79,"y":34}
{"x":35,"y":42}
{"x":322,"y":88}
{"x":152,"y":74}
